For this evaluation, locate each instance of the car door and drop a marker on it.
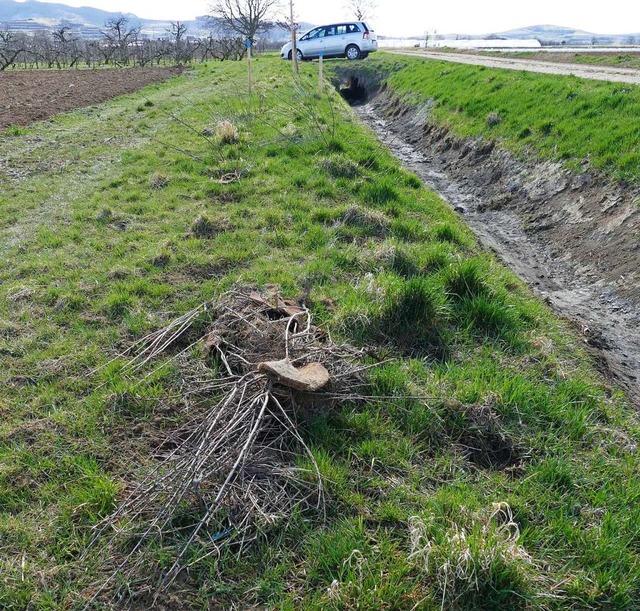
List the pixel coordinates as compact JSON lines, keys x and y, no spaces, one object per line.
{"x":341,"y":41}
{"x":331,"y":41}
{"x":311,"y":43}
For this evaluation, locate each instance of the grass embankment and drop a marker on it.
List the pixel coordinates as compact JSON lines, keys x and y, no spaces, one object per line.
{"x":512,"y":481}
{"x":581,"y":122}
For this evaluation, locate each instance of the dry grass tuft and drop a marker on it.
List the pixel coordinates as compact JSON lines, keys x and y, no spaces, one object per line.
{"x":472,"y":553}
{"x":493,"y":118}
{"x":372,"y":223}
{"x":339,"y":166}
{"x":204,"y":227}
{"x":227,"y":132}
{"x":158,"y":181}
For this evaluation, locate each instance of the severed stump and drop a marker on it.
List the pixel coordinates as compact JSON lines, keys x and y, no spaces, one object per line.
{"x":308,"y":378}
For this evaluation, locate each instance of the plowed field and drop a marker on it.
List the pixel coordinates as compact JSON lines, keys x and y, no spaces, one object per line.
{"x":28,"y":96}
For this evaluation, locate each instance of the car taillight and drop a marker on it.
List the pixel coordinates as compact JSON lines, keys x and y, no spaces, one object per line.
{"x":365,"y":36}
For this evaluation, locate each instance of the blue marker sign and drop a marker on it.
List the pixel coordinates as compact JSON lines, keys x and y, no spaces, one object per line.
{"x":248,"y":43}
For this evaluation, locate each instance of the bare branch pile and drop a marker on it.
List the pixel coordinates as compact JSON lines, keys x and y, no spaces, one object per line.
{"x":241,"y":464}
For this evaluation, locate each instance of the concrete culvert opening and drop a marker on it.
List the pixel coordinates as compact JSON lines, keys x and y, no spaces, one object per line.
{"x":353,"y":91}
{"x":356,"y":87}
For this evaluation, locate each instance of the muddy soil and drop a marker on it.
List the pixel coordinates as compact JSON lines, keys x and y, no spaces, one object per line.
{"x":27,"y":96}
{"x":598,"y":72}
{"x":573,"y":237}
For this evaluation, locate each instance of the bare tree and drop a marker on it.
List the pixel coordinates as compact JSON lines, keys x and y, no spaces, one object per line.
{"x":245,"y":18}
{"x":119,"y":45}
{"x":178,"y":33}
{"x":67,"y":48}
{"x":119,"y":36}
{"x":294,"y":42}
{"x":10,"y":48}
{"x":361,"y":9}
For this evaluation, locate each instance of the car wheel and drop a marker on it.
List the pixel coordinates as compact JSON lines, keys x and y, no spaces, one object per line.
{"x":352,"y":52}
{"x":299,"y":55}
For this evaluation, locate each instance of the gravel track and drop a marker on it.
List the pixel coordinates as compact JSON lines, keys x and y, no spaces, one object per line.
{"x":598,"y":73}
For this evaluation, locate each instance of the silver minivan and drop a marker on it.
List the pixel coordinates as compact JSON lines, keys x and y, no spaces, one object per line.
{"x":353,"y":40}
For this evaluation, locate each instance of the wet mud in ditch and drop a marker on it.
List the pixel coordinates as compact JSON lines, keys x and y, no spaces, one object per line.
{"x":574,"y":238}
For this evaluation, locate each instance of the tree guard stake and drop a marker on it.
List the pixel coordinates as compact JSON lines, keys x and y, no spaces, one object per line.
{"x":249,"y":62}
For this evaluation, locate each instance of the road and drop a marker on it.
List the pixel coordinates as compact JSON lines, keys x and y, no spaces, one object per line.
{"x":598,"y":73}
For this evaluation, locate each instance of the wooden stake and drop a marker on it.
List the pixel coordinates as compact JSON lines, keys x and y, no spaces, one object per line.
{"x":294,"y":45}
{"x":320,"y":74}
{"x":249,"y":63}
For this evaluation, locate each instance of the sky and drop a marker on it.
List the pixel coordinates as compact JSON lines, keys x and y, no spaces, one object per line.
{"x":414,"y":17}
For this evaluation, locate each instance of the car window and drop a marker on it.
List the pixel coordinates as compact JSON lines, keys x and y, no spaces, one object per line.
{"x":314,"y":34}
{"x":352,"y":28}
{"x":341,"y":29}
{"x":330,"y":30}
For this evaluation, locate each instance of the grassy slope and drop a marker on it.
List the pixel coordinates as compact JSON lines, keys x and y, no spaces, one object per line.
{"x":93,"y":256}
{"x":568,"y":118}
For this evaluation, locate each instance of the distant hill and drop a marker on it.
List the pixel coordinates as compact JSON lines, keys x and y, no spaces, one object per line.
{"x":552,"y":34}
{"x":51,"y":15}
{"x":569,"y":36}
{"x":33,"y":15}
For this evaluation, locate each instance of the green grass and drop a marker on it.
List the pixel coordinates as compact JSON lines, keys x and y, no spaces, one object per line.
{"x":580,"y":122}
{"x":109,"y":229}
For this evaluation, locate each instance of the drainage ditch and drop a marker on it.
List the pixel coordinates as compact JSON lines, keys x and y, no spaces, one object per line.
{"x":572,"y":237}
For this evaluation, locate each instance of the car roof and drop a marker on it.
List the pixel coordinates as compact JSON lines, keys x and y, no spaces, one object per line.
{"x":328,"y":25}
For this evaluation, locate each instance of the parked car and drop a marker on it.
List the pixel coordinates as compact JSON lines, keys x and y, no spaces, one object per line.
{"x":353,"y":40}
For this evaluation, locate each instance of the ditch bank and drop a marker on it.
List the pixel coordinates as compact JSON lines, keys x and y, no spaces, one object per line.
{"x":573,"y":237}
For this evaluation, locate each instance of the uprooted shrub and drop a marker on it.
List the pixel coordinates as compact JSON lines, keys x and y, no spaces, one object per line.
{"x":238,"y":465}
